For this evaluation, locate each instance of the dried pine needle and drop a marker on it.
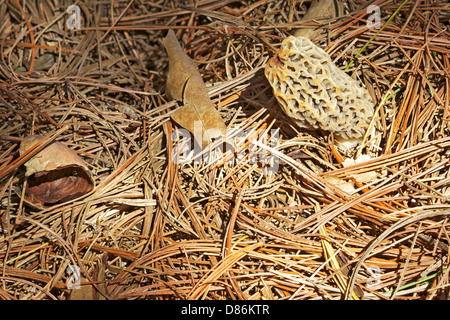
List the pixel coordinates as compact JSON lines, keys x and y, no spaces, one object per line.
{"x":155,"y":228}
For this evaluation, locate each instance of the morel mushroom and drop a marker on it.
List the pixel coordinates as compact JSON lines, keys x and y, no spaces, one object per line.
{"x":314,"y":92}
{"x":56,"y":174}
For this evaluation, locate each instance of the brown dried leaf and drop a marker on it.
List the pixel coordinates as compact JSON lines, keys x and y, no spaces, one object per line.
{"x":185,"y":84}
{"x":56,"y":174}
{"x":319,"y":9}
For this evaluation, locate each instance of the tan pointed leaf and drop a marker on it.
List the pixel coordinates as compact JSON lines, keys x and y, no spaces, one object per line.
{"x":319,"y":9}
{"x":185,"y":84}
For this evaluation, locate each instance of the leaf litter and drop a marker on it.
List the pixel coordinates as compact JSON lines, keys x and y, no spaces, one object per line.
{"x":225,"y":228}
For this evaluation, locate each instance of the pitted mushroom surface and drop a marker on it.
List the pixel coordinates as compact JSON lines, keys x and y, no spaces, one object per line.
{"x":314,"y":92}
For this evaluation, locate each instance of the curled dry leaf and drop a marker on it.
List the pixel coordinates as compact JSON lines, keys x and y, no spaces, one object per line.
{"x":185,"y":84}
{"x":55,"y":175}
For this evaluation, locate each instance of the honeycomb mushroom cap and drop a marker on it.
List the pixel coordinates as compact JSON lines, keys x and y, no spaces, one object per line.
{"x":315,"y":93}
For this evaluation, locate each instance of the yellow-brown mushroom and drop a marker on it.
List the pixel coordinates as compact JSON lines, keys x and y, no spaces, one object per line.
{"x":315,"y":93}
